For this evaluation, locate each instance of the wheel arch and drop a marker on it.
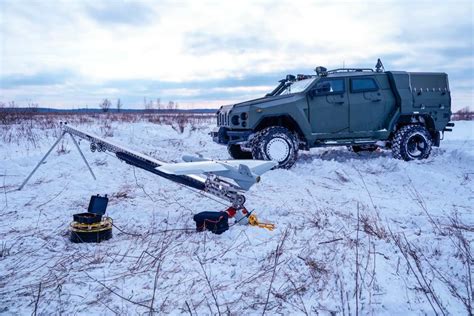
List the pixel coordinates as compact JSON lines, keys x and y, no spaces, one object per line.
{"x":415,"y":119}
{"x":418,"y":119}
{"x":283,"y":121}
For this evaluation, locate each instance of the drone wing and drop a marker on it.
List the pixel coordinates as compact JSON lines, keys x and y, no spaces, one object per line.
{"x":257,"y":167}
{"x":244,"y":173}
{"x":196,"y":167}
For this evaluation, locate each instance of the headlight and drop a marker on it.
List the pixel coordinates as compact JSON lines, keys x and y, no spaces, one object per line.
{"x":244,"y":116}
{"x":235,"y":120}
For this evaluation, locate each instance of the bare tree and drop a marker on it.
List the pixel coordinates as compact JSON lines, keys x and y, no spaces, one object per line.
{"x":158,"y":103}
{"x":464,"y":114}
{"x":105,"y":105}
{"x":149,"y":106}
{"x":33,"y":107}
{"x":171,"y":105}
{"x":119,"y":105}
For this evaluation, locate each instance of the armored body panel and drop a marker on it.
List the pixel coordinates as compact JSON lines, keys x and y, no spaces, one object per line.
{"x":350,"y":107}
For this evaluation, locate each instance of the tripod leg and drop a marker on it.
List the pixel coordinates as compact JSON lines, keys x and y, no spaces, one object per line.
{"x":41,"y":161}
{"x":83,"y":157}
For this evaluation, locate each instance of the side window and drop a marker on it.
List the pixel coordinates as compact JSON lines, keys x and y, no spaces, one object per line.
{"x":330,"y":86}
{"x":363,"y":85}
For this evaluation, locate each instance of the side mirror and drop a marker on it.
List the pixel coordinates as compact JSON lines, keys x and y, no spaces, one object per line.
{"x":323,"y":87}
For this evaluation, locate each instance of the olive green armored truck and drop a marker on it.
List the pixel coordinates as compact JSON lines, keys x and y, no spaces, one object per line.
{"x":361,"y":108}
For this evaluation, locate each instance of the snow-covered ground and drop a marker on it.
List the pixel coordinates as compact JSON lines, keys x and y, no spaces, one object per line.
{"x":354,"y":231}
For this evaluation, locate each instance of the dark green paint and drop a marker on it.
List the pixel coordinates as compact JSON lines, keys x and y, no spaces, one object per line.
{"x":350,"y":117}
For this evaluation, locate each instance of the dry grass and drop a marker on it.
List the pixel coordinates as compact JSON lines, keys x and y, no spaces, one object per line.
{"x":328,"y":261}
{"x":372,"y":226}
{"x":28,"y":127}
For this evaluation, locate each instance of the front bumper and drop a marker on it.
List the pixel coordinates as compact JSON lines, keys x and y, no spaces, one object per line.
{"x":223,"y":135}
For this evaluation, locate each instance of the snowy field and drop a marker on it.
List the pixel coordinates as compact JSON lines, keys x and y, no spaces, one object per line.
{"x":355,"y":232}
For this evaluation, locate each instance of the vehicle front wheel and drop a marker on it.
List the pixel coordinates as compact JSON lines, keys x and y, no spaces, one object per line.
{"x":275,"y":143}
{"x":411,"y":142}
{"x":237,"y":153}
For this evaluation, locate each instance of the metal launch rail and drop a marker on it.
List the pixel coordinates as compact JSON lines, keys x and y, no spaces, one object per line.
{"x":211,"y":184}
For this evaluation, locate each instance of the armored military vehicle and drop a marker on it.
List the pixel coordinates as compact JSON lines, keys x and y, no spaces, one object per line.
{"x":361,"y":108}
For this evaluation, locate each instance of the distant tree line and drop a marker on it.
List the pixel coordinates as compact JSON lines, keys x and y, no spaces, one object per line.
{"x":464,"y":114}
{"x":31,"y":106}
{"x":149,"y":105}
{"x":153,"y":105}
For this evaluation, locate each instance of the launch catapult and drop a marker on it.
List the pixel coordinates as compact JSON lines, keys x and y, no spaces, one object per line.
{"x":224,"y":179}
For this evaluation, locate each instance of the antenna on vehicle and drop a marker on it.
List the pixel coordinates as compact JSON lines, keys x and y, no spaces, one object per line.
{"x":379,"y":66}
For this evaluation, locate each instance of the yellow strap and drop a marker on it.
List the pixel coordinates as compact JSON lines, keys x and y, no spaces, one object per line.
{"x":253,"y":221}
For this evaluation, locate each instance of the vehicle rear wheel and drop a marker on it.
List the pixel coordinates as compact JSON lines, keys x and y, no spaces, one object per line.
{"x":237,"y":153}
{"x":275,"y":143}
{"x":411,"y":142}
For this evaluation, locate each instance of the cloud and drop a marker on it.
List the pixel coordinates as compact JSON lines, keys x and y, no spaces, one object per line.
{"x":46,"y":78}
{"x":189,"y":51}
{"x":121,"y":12}
{"x":205,"y":43}
{"x":455,"y":52}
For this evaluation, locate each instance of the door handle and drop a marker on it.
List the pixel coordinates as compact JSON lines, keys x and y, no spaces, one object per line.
{"x":376,"y":100}
{"x":335,"y":99}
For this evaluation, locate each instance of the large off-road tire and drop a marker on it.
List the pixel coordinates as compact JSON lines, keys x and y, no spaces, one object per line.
{"x":411,"y":142}
{"x":237,"y":153}
{"x":275,"y":143}
{"x":359,"y":148}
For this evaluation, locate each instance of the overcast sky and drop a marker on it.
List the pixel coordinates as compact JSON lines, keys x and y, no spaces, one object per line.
{"x":201,"y":54}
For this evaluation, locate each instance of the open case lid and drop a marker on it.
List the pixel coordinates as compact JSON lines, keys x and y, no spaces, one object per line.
{"x":98,"y":204}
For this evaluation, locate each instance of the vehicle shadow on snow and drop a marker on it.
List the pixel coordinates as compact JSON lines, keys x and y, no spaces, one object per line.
{"x":340,"y":155}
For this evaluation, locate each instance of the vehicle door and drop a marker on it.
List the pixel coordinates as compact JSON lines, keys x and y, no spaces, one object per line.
{"x":366,"y":105}
{"x":329,"y":107}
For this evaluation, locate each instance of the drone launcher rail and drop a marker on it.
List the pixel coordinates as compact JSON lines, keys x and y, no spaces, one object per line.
{"x":210,"y":184}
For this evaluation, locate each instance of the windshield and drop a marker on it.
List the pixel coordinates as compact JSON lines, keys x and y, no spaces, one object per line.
{"x":298,"y":86}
